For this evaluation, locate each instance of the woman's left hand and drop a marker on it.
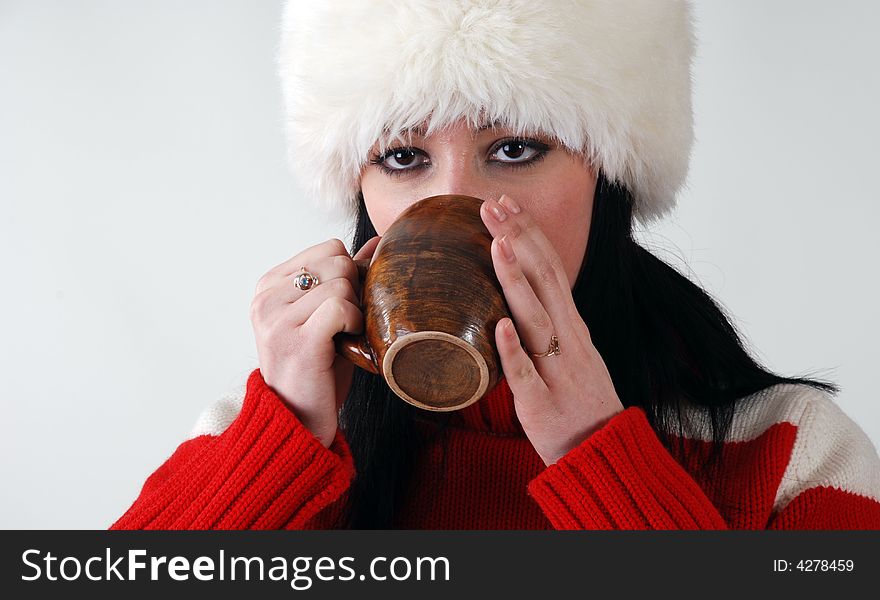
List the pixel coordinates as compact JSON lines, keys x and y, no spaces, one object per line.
{"x":560,"y":399}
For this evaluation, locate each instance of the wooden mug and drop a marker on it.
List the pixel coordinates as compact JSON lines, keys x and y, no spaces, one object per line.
{"x":431,"y":301}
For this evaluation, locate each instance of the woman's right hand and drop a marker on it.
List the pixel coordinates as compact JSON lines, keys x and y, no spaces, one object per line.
{"x":294,"y":332}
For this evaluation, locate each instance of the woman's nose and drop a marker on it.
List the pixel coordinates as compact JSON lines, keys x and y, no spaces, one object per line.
{"x":459,"y":179}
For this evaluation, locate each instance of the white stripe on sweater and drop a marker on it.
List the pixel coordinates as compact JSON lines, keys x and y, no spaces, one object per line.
{"x":829,"y":448}
{"x":219,"y":415}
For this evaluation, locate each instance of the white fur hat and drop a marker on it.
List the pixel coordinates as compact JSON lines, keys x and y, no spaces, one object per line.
{"x":608,"y":78}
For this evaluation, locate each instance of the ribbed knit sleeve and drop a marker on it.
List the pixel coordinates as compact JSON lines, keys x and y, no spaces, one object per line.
{"x":265,"y":471}
{"x":622,"y":477}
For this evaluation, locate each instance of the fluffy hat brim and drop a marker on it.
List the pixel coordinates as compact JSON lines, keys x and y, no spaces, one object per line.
{"x":607,"y":78}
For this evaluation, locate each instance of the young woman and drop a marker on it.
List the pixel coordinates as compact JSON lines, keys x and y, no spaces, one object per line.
{"x":628,"y":399}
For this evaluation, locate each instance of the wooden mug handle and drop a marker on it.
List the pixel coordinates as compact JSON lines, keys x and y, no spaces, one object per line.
{"x":356,"y":348}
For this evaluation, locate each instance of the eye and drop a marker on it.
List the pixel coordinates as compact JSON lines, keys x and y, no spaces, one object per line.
{"x":400,"y":159}
{"x":519,"y":151}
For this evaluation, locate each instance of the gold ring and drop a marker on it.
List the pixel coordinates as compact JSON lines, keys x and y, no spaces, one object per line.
{"x":552,"y":350}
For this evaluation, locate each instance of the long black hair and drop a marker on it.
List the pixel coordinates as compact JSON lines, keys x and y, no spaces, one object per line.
{"x":665,"y":341}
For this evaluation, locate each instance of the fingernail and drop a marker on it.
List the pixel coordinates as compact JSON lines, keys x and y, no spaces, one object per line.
{"x":506,"y":248}
{"x":498,"y":211}
{"x":509,"y":203}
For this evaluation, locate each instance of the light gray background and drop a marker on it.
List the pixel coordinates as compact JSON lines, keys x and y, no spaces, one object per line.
{"x":144,"y":192}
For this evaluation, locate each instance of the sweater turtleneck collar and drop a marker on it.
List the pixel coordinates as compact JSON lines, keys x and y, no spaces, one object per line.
{"x":493,"y":413}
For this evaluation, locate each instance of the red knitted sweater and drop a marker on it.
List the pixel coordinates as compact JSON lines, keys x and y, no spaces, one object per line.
{"x":794,"y":461}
